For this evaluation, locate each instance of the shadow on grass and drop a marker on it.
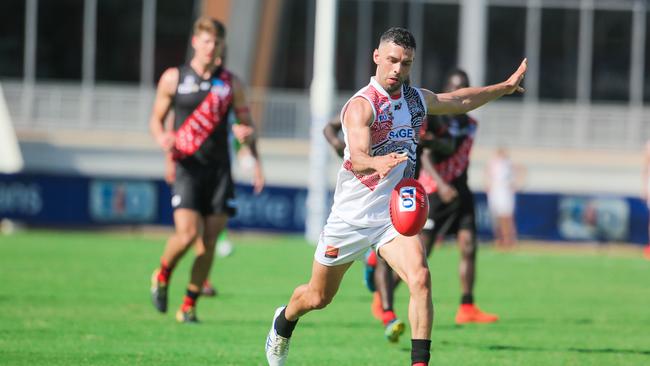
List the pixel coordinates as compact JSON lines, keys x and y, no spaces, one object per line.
{"x":497,"y":347}
{"x":611,"y":350}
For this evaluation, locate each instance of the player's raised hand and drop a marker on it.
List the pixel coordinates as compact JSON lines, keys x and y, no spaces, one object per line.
{"x":383,"y":164}
{"x":514,"y":81}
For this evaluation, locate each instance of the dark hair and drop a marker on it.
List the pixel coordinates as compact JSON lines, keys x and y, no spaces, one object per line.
{"x":462,"y":74}
{"x":400,"y":36}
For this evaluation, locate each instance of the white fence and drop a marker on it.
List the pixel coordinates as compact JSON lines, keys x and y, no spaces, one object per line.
{"x":285,"y":114}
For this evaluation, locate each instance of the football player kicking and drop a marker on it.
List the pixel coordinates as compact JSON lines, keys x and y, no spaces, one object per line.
{"x":380,"y":120}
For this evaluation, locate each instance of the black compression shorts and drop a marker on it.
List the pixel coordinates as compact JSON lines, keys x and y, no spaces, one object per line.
{"x":447,"y":219}
{"x":207,"y":189}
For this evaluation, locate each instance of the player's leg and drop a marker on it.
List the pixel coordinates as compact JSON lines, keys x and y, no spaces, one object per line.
{"x":509,"y":231}
{"x":467,"y":265}
{"x":186,"y":222}
{"x":207,"y":289}
{"x":316,"y":294}
{"x":468,"y":312}
{"x":212,"y":226}
{"x":383,"y":300}
{"x":406,"y":256}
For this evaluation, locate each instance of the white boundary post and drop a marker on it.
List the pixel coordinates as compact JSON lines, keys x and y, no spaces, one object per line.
{"x":321,"y":103}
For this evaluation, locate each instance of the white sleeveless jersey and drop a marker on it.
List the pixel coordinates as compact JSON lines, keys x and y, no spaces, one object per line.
{"x":363,"y":200}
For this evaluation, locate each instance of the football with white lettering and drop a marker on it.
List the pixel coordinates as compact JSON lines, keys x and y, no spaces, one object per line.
{"x":409,"y":207}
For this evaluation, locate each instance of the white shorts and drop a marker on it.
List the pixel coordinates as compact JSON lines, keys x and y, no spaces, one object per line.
{"x":342,"y":243}
{"x":501,"y":203}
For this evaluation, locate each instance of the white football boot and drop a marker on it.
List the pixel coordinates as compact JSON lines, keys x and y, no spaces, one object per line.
{"x":277,"y":347}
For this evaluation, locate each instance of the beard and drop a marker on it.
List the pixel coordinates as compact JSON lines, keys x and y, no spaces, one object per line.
{"x":395,"y":87}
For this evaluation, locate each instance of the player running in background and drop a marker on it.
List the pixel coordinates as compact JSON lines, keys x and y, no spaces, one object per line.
{"x":242,"y":155}
{"x":380,"y":121}
{"x":197,"y":158}
{"x":645,"y":192}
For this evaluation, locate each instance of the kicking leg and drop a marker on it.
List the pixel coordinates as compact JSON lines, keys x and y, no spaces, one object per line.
{"x":406,"y":255}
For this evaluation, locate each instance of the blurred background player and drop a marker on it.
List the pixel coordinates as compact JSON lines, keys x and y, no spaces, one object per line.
{"x":502,"y":178}
{"x":246,"y":156}
{"x":197,"y":157}
{"x":451,"y":206}
{"x":645,"y":192}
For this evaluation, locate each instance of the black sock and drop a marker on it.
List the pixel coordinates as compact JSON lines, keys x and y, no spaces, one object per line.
{"x":420,"y":350}
{"x":283,"y":326}
{"x":467,"y":299}
{"x":192,"y":295}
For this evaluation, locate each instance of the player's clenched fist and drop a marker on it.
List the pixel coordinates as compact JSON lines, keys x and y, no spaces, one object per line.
{"x":384,"y":163}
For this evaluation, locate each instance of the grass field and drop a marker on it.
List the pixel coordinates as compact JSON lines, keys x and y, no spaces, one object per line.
{"x":83,"y":299}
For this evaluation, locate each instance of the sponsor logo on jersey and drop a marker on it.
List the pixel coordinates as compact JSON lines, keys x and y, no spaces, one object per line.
{"x":398,"y":106}
{"x":331,"y":252}
{"x":403,"y":133}
{"x":220,"y":88}
{"x":205,"y":85}
{"x":188,"y":85}
{"x":407,"y":199}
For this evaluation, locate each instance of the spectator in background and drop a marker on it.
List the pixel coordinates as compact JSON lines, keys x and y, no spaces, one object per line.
{"x":645,"y":192}
{"x":501,"y":178}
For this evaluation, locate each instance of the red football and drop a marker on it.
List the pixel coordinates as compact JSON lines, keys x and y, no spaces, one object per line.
{"x":409,"y":207}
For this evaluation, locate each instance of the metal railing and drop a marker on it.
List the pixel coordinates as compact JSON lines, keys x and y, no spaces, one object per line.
{"x":285,"y":114}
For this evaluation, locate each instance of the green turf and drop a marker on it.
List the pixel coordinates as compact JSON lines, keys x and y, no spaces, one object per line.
{"x":82,"y":299}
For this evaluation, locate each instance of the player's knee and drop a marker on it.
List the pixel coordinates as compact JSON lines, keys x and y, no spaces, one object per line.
{"x":320,"y":301}
{"x":187,"y":237}
{"x":210,"y":243}
{"x":468,"y":250}
{"x":467,"y":246}
{"x":419,"y":281}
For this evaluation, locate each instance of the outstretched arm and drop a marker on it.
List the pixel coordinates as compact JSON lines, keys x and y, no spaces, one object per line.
{"x":464,"y":100}
{"x":331,"y":132}
{"x":357,"y":119}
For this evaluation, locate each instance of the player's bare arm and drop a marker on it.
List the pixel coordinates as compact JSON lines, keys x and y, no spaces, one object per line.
{"x":331,"y":132}
{"x":357,"y":120}
{"x":464,"y":100}
{"x":245,"y":131}
{"x":446,"y":192}
{"x":164,"y":96}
